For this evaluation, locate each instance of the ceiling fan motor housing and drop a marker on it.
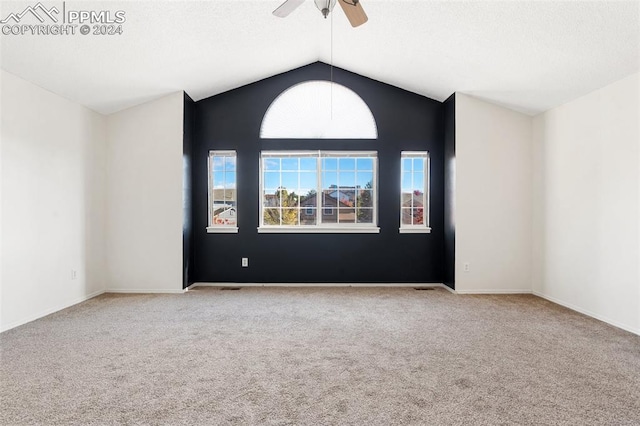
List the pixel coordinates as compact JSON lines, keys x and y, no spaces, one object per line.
{"x":325,"y":6}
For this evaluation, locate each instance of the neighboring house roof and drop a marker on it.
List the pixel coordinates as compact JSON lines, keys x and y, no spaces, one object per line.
{"x":228,"y":213}
{"x":328,"y":201}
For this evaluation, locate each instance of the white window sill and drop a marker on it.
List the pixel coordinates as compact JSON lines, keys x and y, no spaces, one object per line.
{"x":416,"y":230}
{"x":318,"y":230}
{"x":222,"y":230}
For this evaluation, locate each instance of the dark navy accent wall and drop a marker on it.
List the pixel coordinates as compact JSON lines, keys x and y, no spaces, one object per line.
{"x":232,"y":120}
{"x":450,"y":191}
{"x":187,"y":190}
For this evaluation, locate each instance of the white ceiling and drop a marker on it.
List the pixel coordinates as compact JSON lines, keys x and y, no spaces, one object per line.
{"x":527,"y":55}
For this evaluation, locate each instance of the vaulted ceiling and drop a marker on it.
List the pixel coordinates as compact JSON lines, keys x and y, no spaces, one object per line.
{"x":526,"y":55}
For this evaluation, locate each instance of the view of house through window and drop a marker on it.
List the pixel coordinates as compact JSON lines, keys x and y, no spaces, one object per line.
{"x":222,"y":192}
{"x":318,"y":189}
{"x":414,"y":202}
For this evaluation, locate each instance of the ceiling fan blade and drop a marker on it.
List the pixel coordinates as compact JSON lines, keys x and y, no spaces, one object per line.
{"x":287,"y":7}
{"x":354,"y":11}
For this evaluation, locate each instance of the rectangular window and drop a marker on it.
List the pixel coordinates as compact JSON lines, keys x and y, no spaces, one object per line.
{"x":318,"y":191}
{"x":223,"y":210}
{"x":414,"y":200}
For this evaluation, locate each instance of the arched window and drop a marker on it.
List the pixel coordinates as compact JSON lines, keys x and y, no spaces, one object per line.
{"x":318,"y":110}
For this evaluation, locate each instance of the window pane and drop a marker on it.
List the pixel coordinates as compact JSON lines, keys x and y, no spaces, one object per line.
{"x":328,"y":198}
{"x":293,"y":200}
{"x":418,"y":181}
{"x":406,"y":182}
{"x":217,"y":208}
{"x":308,"y":163}
{"x":348,"y":164}
{"x":329,"y":204}
{"x":364,"y":179}
{"x":287,"y":198}
{"x":308,"y":216}
{"x":347,"y":179}
{"x":347,"y":197}
{"x":308,"y":180}
{"x":272,"y":164}
{"x":309,"y":199}
{"x":271,"y":217}
{"x":217,"y":195}
{"x":218,"y":180}
{"x":289,"y":164}
{"x":406,"y":216}
{"x":329,"y":164}
{"x":224,"y":217}
{"x":230,"y":164}
{"x":329,"y":215}
{"x":270,"y":198}
{"x":230,"y":180}
{"x":406,"y":199}
{"x":290,"y":216}
{"x":364,"y":215}
{"x":365,"y":198}
{"x":218,"y":163}
{"x":229,"y":196}
{"x":406,"y":165}
{"x":335,"y":197}
{"x":329,"y":180}
{"x":364,"y":164}
{"x":418,"y":164}
{"x":346,"y":215}
{"x":418,"y":215}
{"x":271,"y":180}
{"x":289,"y":180}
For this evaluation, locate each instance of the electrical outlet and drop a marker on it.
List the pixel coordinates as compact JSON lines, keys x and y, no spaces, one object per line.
{"x":245,"y":262}
{"x":74,"y":274}
{"x":467,"y":267}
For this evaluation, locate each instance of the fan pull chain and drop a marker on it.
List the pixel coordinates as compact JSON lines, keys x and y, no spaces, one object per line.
{"x":331,"y":66}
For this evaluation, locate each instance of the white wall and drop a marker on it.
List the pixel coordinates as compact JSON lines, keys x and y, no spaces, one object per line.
{"x":144,"y":194}
{"x":53,"y":171}
{"x":493,"y":198}
{"x":587,"y":198}
{"x":1,"y":180}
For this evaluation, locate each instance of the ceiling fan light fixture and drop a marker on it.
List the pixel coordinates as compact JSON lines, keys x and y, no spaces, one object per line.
{"x":325,"y":6}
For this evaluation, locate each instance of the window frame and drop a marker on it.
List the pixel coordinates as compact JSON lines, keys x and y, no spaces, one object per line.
{"x":218,"y":228}
{"x":319,"y":227}
{"x":425,"y":227}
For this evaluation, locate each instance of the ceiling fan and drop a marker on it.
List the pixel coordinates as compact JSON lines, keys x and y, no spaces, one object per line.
{"x":352,"y":9}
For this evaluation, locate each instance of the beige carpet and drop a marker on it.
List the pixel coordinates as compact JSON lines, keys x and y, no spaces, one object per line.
{"x":318,"y":356}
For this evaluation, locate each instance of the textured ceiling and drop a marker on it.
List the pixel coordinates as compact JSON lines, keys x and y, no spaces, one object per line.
{"x":527,"y":55}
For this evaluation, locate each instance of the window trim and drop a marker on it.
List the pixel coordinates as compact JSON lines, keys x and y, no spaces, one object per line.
{"x":319,"y":227}
{"x":425,"y":228}
{"x":219,"y":229}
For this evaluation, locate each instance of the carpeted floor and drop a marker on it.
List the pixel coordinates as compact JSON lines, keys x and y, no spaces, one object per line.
{"x":318,"y":356}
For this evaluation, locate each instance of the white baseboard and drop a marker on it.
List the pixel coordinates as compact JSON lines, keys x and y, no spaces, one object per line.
{"x":588,"y":313}
{"x":144,"y":291}
{"x":446,"y":287}
{"x":493,"y":291}
{"x":49,"y":311}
